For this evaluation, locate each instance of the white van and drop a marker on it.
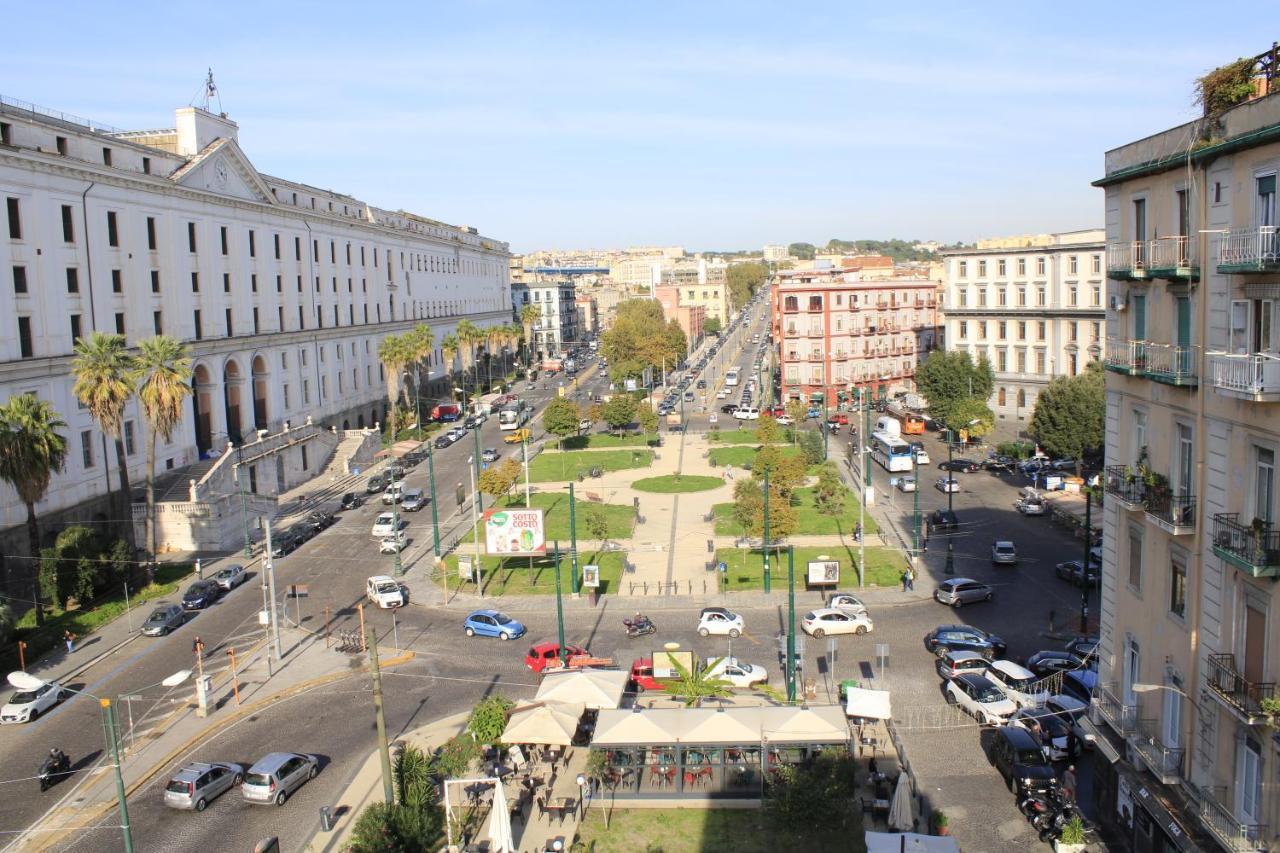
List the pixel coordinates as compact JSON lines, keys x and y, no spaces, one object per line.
{"x":747,"y":413}
{"x":1017,"y":683}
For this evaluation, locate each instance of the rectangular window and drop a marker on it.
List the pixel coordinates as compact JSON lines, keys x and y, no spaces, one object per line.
{"x":1178,"y":587}
{"x":106,"y":156}
{"x":130,"y":444}
{"x":1022,"y":362}
{"x":230,"y":333}
{"x":222,"y":232}
{"x":1022,"y":266}
{"x":1096,"y":296}
{"x":982,"y":297}
{"x":982,"y":269}
{"x":1022,"y":330}
{"x":86,"y":448}
{"x":6,"y":133}
{"x":157,"y":322}
{"x":1135,"y":560}
{"x":117,"y":281}
{"x":964,"y":297}
{"x":195,"y":318}
{"x":75,"y":328}
{"x":226,"y":282}
{"x":1040,"y":361}
{"x":151,"y":233}
{"x":146,"y":165}
{"x":155,"y":281}
{"x":982,"y":330}
{"x":19,"y":279}
{"x":1002,"y":328}
{"x":1096,"y":265}
{"x":279,"y":284}
{"x":24,"y":337}
{"x":1097,"y":331}
{"x":113,"y":230}
{"x":60,"y":142}
{"x":275,"y":240}
{"x":1264,"y":487}
{"x":68,"y":225}
{"x":1002,"y":297}
{"x":195,"y":282}
{"x":1040,"y":266}
{"x":1040,"y":297}
{"x":1072,"y":296}
{"x":253,"y":282}
{"x":1073,"y":326}
{"x":962,"y":268}
{"x":1185,"y":463}
{"x":255,"y":319}
{"x":191,"y":237}
{"x":73,"y":280}
{"x":333,"y":252}
{"x":15,"y":219}
{"x":1001,"y":268}
{"x":253,"y":245}
{"x":1040,"y":330}
{"x":1073,"y":265}
{"x":279,"y":318}
{"x":306,"y":391}
{"x":1022,"y":297}
{"x":964,"y":329}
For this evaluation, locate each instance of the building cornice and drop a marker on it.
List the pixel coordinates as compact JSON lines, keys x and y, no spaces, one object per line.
{"x":1055,"y":248}
{"x":1199,"y":157}
{"x":1012,"y":311}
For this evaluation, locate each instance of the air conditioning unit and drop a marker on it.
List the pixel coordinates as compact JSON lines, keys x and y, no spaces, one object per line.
{"x":1117,"y":303}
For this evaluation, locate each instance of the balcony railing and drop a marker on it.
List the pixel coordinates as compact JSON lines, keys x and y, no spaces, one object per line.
{"x":1241,"y":695}
{"x":1121,"y":717}
{"x":1221,"y":822}
{"x":815,"y":356}
{"x":1253,"y":249}
{"x":1126,"y":485}
{"x":1255,"y":548}
{"x":1254,"y":376}
{"x":1127,"y":260}
{"x":1173,"y":364}
{"x":1126,"y":356}
{"x":1165,"y":762}
{"x":1173,"y":258}
{"x":1172,"y":513}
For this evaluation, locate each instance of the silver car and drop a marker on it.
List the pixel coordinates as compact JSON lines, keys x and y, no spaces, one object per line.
{"x":230,"y":577}
{"x":413,"y":500}
{"x":196,"y":785}
{"x":163,"y":620}
{"x":274,"y":777}
{"x":960,"y":591}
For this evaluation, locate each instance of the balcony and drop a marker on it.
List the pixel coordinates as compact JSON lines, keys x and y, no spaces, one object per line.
{"x":1254,"y":377}
{"x":1172,"y":364}
{"x":1126,"y":356}
{"x":1164,"y":762}
{"x":1220,"y":821}
{"x":1121,"y":717}
{"x":1243,"y":697}
{"x":842,"y":356}
{"x":1173,"y":258}
{"x":1126,"y":486}
{"x":1174,"y":514}
{"x":816,"y":332}
{"x":1253,"y":548}
{"x":815,"y":356}
{"x":1127,"y":261}
{"x":1249,"y":250}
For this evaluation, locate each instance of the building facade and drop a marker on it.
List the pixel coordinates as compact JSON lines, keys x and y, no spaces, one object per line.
{"x":282,"y":291}
{"x":1190,"y":613}
{"x":834,"y":332}
{"x":774,"y":253}
{"x":588,"y":316}
{"x":1032,"y":306}
{"x":558,"y":324}
{"x":690,"y":317}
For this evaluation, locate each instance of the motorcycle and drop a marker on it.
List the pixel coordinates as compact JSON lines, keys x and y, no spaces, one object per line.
{"x":52,"y":770}
{"x":639,"y":627}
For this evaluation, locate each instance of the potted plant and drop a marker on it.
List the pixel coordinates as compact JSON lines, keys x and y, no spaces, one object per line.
{"x":1072,"y":838}
{"x":939,"y":822}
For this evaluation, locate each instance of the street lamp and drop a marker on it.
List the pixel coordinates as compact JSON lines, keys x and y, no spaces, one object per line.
{"x":950,"y":456}
{"x":25,"y":681}
{"x":129,"y":698}
{"x":1151,"y":688}
{"x":475,"y":529}
{"x":475,"y":430}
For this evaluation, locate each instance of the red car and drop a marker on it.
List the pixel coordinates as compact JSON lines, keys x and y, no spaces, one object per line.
{"x":777,"y":411}
{"x":642,"y":675}
{"x":544,"y":653}
{"x":839,"y":418}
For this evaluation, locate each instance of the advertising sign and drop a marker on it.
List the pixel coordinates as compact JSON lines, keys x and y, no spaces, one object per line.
{"x":822,"y":572}
{"x":466,"y":571}
{"x":515,"y":532}
{"x":591,"y":576}
{"x":663,"y":666}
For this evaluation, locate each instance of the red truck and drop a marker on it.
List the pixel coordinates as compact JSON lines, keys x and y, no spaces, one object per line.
{"x":446,"y":412}
{"x":642,"y":676}
{"x":547,"y":654}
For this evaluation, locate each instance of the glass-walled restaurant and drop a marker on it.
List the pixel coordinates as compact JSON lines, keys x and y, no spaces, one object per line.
{"x":701,"y":753}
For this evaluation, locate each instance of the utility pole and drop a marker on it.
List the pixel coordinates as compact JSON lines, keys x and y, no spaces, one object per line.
{"x":384,"y":753}
{"x":573,"y":544}
{"x":950,"y":457}
{"x":1084,"y":565}
{"x":791,"y":624}
{"x":915,"y":472}
{"x":475,"y":529}
{"x":435,"y":510}
{"x":109,"y":723}
{"x":826,"y":427}
{"x":244,"y":507}
{"x":271,"y":586}
{"x":266,"y":601}
{"x":395,"y":510}
{"x":559,"y":608}
{"x":475,"y":431}
{"x":768,"y":586}
{"x":862,"y":500}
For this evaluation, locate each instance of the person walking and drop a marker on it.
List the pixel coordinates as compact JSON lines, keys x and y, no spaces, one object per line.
{"x":857,"y":532}
{"x":906,"y":579}
{"x":911,"y":580}
{"x":70,"y":639}
{"x":1069,"y":784}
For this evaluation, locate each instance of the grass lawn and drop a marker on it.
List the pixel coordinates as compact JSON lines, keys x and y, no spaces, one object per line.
{"x":621,"y":518}
{"x":672,"y":483}
{"x":551,"y":466}
{"x":746,"y":567}
{"x":602,"y":440}
{"x":742,"y":455}
{"x":809,"y":519}
{"x":734,"y":436}
{"x":709,"y":831}
{"x":511,"y":575}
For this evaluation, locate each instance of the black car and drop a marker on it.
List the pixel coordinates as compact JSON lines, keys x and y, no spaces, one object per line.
{"x":442,"y":442}
{"x":1001,"y":464}
{"x":200,"y":595}
{"x":729,"y":408}
{"x":1073,"y":571}
{"x":376,"y":485}
{"x":943,"y":521}
{"x":319,"y":520}
{"x":1046,"y":663}
{"x":1019,"y":756}
{"x":351,"y":500}
{"x":967,"y":466}
{"x":285,"y":543}
{"x":964,"y":638}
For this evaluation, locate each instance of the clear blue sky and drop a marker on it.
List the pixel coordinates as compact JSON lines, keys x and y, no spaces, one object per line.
{"x":709,"y":125}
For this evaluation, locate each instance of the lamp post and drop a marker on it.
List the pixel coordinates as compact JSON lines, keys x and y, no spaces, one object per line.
{"x":476,"y":457}
{"x":395,"y":513}
{"x":791,"y":624}
{"x":574,"y":580}
{"x":826,"y":427}
{"x":129,"y":698}
{"x":475,"y":529}
{"x":1084,"y":565}
{"x":244,"y":505}
{"x":559,"y":607}
{"x":435,"y":510}
{"x":915,"y":512}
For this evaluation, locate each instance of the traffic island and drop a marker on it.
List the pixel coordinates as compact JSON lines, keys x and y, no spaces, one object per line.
{"x":677,"y":484}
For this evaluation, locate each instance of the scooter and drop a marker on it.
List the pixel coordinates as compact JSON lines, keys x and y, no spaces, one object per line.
{"x":639,"y":627}
{"x":51,"y":771}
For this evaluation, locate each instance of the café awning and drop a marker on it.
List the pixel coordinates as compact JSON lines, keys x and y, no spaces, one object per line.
{"x":871,"y":704}
{"x":635,"y":727}
{"x":721,"y":726}
{"x":552,"y":723}
{"x":822,"y":724}
{"x":594,"y":688}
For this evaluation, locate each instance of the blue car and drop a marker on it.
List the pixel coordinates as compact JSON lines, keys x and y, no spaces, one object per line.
{"x":491,"y":623}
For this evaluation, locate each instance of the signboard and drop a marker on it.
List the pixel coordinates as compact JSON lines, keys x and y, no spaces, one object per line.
{"x":822,"y":572}
{"x":631,"y":385}
{"x":591,"y":576}
{"x":515,"y":532}
{"x":664,"y":666}
{"x":465,"y":569}
{"x":298,"y":590}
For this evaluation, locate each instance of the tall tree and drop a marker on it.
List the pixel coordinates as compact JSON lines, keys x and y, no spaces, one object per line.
{"x":948,"y":376}
{"x":470,"y":337}
{"x":162,"y":371}
{"x":420,"y":342}
{"x":529,"y":315}
{"x":395,"y":352}
{"x":748,"y":510}
{"x":830,"y":494}
{"x":103,"y":367}
{"x":561,"y":418}
{"x":449,"y":348}
{"x":767,"y":431}
{"x":647,"y":418}
{"x":641,"y":338}
{"x":497,"y":481}
{"x":1070,"y":414}
{"x":32,"y":449}
{"x":619,"y":411}
{"x":973,"y":416}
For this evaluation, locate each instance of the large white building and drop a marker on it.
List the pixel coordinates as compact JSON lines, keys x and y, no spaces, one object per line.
{"x":558,"y":323}
{"x":1032,"y":306}
{"x":282,"y":290}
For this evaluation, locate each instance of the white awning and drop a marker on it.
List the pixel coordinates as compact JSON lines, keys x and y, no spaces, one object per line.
{"x":872,"y":704}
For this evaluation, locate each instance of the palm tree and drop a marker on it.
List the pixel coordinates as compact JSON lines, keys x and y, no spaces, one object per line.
{"x":694,"y":685}
{"x":514,"y":333}
{"x":103,"y":370}
{"x":422,"y":341}
{"x":394,"y":353}
{"x":413,"y":785}
{"x":32,"y":448}
{"x":449,"y":347}
{"x":529,"y":315}
{"x":162,"y":370}
{"x":469,"y":336}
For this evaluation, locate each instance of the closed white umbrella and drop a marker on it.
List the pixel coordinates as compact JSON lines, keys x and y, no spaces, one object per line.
{"x":500,"y":839}
{"x":900,"y":816}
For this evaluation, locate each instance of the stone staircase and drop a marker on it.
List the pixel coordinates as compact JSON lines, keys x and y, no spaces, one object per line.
{"x":176,"y":485}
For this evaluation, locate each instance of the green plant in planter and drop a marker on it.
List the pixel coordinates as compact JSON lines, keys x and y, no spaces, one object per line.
{"x":939,"y":821}
{"x":1072,"y":831}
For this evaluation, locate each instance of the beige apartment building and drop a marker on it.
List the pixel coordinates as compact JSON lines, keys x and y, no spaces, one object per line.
{"x":1033,"y":306}
{"x":1190,"y":615}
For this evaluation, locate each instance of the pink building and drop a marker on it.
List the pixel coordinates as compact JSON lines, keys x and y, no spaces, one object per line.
{"x":689,"y":317}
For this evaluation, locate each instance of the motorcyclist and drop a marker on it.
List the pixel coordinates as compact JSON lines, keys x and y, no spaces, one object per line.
{"x":57,"y":757}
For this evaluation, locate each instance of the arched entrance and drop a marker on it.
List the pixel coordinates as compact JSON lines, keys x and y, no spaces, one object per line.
{"x":202,"y":408}
{"x":232,"y":382}
{"x":360,"y":421}
{"x":346,"y":424}
{"x":260,"y":381}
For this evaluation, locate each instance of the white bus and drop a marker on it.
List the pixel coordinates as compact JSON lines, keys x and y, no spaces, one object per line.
{"x":891,"y":452}
{"x":514,"y":415}
{"x":731,"y":378}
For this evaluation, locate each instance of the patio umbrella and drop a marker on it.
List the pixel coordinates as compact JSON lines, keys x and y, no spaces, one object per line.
{"x":551,"y":723}
{"x":900,"y":816}
{"x":500,"y":839}
{"x":595,"y":688}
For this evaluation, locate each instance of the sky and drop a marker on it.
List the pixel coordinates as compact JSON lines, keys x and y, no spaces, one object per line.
{"x":710,"y":125}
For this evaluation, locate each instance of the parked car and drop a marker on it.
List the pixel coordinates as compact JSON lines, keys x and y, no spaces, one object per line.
{"x":946,"y":638}
{"x":393,"y":494}
{"x":285,"y":543}
{"x":1073,"y":711}
{"x":491,"y":623}
{"x":1003,"y":553}
{"x":442,"y":441}
{"x":413,"y":500}
{"x":1046,"y":663}
{"x":954,"y":663}
{"x":947,"y":485}
{"x":490,"y":454}
{"x":967,"y":466}
{"x":1085,"y":647}
{"x":374,"y":486}
{"x":1019,"y":758}
{"x":386,"y":592}
{"x":199,"y":783}
{"x":943,"y":521}
{"x":746,"y":413}
{"x":544,"y":654}
{"x":1073,"y":570}
{"x":1066,"y":463}
{"x":1017,"y":683}
{"x":980,"y":698}
{"x":736,"y":672}
{"x":956,"y":592}
{"x":351,"y":500}
{"x":26,"y":705}
{"x":828,"y":620}
{"x":200,"y":595}
{"x":1079,"y":684}
{"x":846,"y":602}
{"x":274,"y":777}
{"x":1051,"y":731}
{"x":164,"y":619}
{"x":384,"y":525}
{"x":720,"y":621}
{"x":320,"y":519}
{"x":906,"y":484}
{"x":728,"y":408}
{"x":230,"y":577}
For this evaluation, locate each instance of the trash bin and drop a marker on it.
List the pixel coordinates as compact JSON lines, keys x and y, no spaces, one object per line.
{"x":326,"y":818}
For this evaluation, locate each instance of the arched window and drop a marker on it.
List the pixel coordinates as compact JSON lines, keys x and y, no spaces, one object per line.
{"x":1000,"y":398}
{"x":1022,"y":398}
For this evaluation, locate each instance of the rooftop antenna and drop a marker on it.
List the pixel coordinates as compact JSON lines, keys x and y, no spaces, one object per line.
{"x":209,"y":93}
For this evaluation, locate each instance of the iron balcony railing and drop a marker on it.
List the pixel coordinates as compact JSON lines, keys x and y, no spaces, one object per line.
{"x":1127,"y":257}
{"x":1125,"y":355}
{"x":1256,"y":247}
{"x":1237,"y":691}
{"x":1254,"y":375}
{"x":1257,"y":544}
{"x":1173,"y":510}
{"x":1172,"y":253}
{"x":1164,"y":761}
{"x":1125,"y":483}
{"x":1171,"y":362}
{"x":1123,"y":718}
{"x":1221,"y":822}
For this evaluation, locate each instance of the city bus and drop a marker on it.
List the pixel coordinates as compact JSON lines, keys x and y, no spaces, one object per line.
{"x":731,"y":377}
{"x":912,"y":423}
{"x":514,"y":415}
{"x":891,"y":452}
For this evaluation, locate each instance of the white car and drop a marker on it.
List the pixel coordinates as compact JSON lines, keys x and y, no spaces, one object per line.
{"x":720,"y":621}
{"x":392,"y":544}
{"x":922,"y":456}
{"x":1003,"y":553}
{"x":394,"y":493}
{"x":736,"y":672}
{"x":828,"y":620}
{"x":1019,"y":684}
{"x":785,"y":420}
{"x":384,"y":525}
{"x":747,"y":413}
{"x":980,"y":698}
{"x":846,"y":602}
{"x":25,"y":705}
{"x":906,"y":484}
{"x":386,"y":592}
{"x":947,"y":484}
{"x":722,"y":393}
{"x":584,"y":425}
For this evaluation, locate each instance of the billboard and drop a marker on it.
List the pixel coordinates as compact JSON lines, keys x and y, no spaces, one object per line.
{"x":824,"y":572}
{"x":515,"y":532}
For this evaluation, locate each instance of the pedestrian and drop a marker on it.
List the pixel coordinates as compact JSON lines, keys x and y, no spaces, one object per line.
{"x":911,"y":580}
{"x":70,"y":639}
{"x":1069,"y":784}
{"x":906,"y":579}
{"x":857,"y":532}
